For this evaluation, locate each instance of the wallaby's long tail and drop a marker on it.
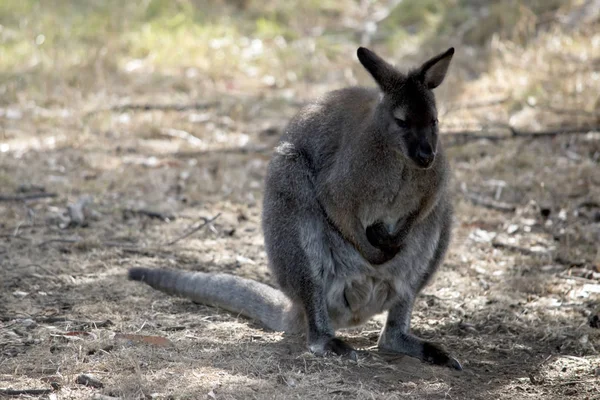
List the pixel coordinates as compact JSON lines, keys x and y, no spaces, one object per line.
{"x":239,"y":295}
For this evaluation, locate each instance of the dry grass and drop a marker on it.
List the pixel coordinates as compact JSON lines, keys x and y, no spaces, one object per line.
{"x":512,"y":301}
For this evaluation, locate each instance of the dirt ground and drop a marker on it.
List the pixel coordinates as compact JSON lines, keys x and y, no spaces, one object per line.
{"x":90,"y":187}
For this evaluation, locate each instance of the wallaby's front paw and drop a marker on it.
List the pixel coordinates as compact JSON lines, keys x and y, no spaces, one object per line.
{"x":434,"y":354}
{"x":334,"y":346}
{"x":377,"y":256}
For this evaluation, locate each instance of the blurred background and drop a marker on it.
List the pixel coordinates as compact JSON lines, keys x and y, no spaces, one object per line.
{"x":125,"y":125}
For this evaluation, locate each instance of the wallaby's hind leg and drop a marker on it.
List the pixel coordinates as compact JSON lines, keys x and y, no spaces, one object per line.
{"x":396,"y":338}
{"x":298,"y":264}
{"x":320,"y":334}
{"x":295,"y":240}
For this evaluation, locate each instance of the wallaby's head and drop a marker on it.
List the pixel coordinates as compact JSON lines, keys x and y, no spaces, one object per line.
{"x":407,"y":114}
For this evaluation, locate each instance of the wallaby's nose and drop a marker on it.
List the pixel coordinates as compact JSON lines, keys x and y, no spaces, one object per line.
{"x":425,"y":155}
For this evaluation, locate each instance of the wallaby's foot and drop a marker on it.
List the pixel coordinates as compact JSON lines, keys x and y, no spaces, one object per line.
{"x":412,"y":346}
{"x":434,"y":354}
{"x":334,"y":346}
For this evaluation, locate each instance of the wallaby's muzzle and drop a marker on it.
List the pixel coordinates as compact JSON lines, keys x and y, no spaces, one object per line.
{"x":424,"y":156}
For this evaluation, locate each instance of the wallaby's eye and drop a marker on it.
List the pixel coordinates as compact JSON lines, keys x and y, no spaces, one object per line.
{"x":401,"y":123}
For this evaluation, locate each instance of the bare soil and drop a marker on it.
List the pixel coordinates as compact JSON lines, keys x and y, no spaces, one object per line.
{"x":516,"y":300}
{"x":514,"y":315}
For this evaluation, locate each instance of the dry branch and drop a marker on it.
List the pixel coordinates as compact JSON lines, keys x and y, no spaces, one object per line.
{"x":476,"y":104}
{"x":196,"y":229}
{"x":465,"y":136}
{"x":569,"y":111}
{"x":24,"y":392}
{"x":96,"y":324}
{"x":90,"y":381}
{"x":517,"y":249}
{"x":150,"y":214}
{"x":490,"y":203}
{"x":98,"y":396}
{"x":156,"y":107}
{"x":26,"y":196}
{"x":529,"y":252}
{"x":59,"y":240}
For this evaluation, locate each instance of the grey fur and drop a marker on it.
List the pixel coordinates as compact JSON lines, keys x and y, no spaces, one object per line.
{"x":356,"y":216}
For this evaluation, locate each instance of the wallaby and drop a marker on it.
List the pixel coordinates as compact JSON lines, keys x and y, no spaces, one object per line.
{"x":356,"y":217}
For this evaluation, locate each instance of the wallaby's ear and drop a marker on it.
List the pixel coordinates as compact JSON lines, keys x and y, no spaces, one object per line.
{"x":384,"y":74}
{"x":434,"y":71}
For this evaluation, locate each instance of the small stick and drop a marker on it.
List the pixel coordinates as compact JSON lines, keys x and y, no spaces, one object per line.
{"x":500,"y":245}
{"x":476,"y":104}
{"x":490,"y":203}
{"x":11,"y":236}
{"x":30,"y":392}
{"x":181,"y":134}
{"x":26,"y":196}
{"x":196,"y":229}
{"x":45,"y":242}
{"x":570,"y":263}
{"x":98,"y":324}
{"x":159,"y":107}
{"x":98,"y":396}
{"x":517,"y":249}
{"x":575,"y":278}
{"x":90,"y":381}
{"x":150,"y":213}
{"x":464,"y":136}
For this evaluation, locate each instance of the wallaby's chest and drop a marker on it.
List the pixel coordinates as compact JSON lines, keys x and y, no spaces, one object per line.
{"x":393,"y":204}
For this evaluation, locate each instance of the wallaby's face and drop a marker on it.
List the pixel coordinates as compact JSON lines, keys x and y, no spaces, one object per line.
{"x":407,"y":114}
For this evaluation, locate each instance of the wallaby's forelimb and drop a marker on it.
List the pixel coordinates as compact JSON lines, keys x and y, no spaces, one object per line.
{"x":391,"y":242}
{"x":239,"y":295}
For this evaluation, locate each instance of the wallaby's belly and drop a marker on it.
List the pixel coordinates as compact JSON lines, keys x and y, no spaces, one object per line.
{"x":354,"y":302}
{"x":357,"y":290}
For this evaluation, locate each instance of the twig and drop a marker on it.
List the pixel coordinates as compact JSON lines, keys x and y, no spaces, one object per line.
{"x":517,"y":249}
{"x":575,"y":278}
{"x":99,"y":396}
{"x":528,"y":252}
{"x":10,"y":268}
{"x":555,"y":132}
{"x":11,"y":236}
{"x":51,"y":320}
{"x":159,"y":107}
{"x":259,"y":150}
{"x":90,"y":381}
{"x":569,"y":383}
{"x":570,"y":263}
{"x":490,"y":203}
{"x":464,"y":136}
{"x":45,"y":242}
{"x":181,"y":134}
{"x":30,"y":392}
{"x":589,"y":204}
{"x":97,"y":324}
{"x":26,"y":196}
{"x":196,"y":229}
{"x":476,"y":104}
{"x":568,"y":111}
{"x":150,"y":214}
